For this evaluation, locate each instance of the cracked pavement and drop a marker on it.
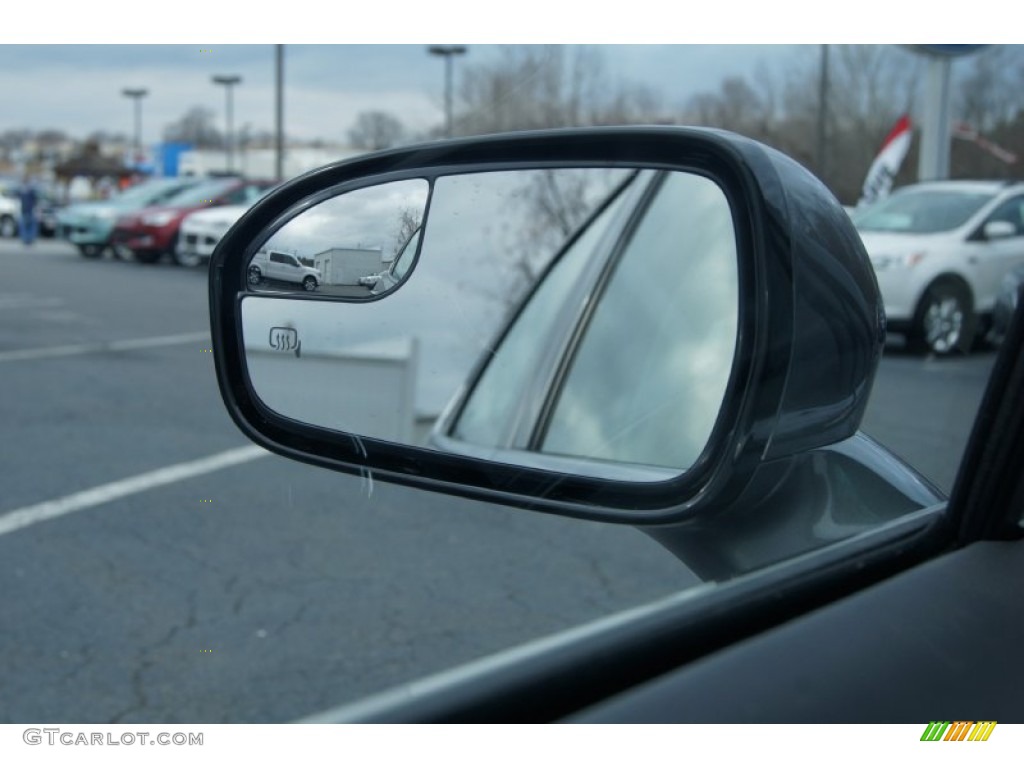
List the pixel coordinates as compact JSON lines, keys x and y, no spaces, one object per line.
{"x":293,"y":590}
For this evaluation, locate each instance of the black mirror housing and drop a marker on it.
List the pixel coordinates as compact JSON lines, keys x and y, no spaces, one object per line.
{"x":810,"y":327}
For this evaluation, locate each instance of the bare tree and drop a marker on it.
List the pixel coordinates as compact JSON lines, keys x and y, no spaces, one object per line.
{"x":108,"y":137}
{"x":195,"y":127}
{"x":870,"y":86}
{"x":990,"y":92}
{"x":376,"y":130}
{"x":736,"y":106}
{"x":548,"y":86}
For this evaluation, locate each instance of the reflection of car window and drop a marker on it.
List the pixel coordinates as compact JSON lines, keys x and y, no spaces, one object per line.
{"x":921,"y":211}
{"x":488,"y":413}
{"x":649,"y":376}
{"x":404,"y":261}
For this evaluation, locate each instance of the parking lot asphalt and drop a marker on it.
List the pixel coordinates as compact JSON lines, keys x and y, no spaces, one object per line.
{"x":155,"y":567}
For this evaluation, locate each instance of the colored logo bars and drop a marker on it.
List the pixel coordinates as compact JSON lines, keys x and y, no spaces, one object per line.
{"x":958,"y":731}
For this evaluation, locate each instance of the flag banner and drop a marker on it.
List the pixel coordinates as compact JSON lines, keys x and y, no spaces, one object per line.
{"x":887,"y":164}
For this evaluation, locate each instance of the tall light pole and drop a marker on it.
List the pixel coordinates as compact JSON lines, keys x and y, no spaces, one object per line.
{"x":822,"y":143}
{"x":136,"y":95}
{"x":933,"y":155}
{"x":228,"y":81}
{"x":447,"y":51}
{"x":279,"y":112}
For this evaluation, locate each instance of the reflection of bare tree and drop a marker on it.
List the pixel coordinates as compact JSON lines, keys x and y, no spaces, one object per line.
{"x":559,"y":201}
{"x":552,"y":205}
{"x":409,"y":220}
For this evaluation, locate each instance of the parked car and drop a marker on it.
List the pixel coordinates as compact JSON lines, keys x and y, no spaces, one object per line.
{"x":202,"y":230}
{"x":10,"y":213}
{"x":10,"y":209}
{"x":840,"y":586}
{"x":89,"y":225}
{"x":394,"y":274}
{"x":152,"y":232}
{"x":940,"y":250}
{"x":274,"y":266}
{"x":48,"y":215}
{"x":1006,"y":305}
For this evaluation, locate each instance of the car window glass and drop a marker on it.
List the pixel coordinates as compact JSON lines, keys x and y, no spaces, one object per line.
{"x":667,"y":322}
{"x":487,"y":414}
{"x":201,"y":193}
{"x":921,"y":211}
{"x":153,"y":190}
{"x":252,"y":193}
{"x":1012,"y":212}
{"x":243,"y":195}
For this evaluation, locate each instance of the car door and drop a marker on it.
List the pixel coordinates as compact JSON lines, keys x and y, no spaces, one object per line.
{"x":290,"y":269}
{"x":943,"y":633}
{"x":998,"y":256}
{"x":836,"y":540}
{"x":904,"y":628}
{"x":275,"y":267}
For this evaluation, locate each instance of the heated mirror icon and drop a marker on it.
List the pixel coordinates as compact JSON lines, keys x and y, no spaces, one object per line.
{"x":285,"y":340}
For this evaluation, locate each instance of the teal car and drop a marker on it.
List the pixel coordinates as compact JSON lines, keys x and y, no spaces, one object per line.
{"x":89,"y":225}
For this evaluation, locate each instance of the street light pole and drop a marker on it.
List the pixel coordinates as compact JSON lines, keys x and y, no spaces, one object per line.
{"x":279,"y":113}
{"x":447,"y":51}
{"x":822,"y":143}
{"x":136,"y":95}
{"x":228,"y":81}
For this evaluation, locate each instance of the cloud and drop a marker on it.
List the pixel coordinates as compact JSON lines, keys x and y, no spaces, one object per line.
{"x":77,"y":88}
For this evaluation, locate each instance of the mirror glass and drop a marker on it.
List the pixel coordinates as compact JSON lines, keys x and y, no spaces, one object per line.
{"x":344,"y":246}
{"x":582,"y":320}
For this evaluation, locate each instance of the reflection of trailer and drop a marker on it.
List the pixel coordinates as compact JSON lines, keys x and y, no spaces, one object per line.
{"x":344,"y":266}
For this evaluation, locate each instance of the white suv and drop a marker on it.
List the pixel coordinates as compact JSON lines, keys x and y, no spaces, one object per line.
{"x":940,"y":250}
{"x":274,"y":266}
{"x":10,"y":215}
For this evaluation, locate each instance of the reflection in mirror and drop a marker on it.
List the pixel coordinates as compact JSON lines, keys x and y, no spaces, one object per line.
{"x":344,"y":246}
{"x":582,"y":320}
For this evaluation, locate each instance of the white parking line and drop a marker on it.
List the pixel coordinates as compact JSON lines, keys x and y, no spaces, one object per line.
{"x":103,"y":346}
{"x":102,"y":494}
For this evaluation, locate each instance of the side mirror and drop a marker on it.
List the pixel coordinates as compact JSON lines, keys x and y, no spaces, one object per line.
{"x":997,"y":230}
{"x":617,"y":324}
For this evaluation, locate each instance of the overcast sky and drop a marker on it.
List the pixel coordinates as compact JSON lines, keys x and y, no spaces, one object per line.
{"x":77,"y":88}
{"x":676,"y":50}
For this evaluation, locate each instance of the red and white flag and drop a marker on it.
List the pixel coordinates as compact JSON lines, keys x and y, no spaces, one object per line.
{"x":887,"y":164}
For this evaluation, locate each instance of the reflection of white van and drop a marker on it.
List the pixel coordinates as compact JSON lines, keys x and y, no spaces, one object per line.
{"x":347,"y":266}
{"x":282,"y":267}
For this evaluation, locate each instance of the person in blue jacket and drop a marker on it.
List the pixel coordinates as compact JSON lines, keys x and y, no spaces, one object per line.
{"x":29,"y":197}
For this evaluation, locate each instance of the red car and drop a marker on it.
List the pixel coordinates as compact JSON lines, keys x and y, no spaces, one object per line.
{"x":152,"y":232}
